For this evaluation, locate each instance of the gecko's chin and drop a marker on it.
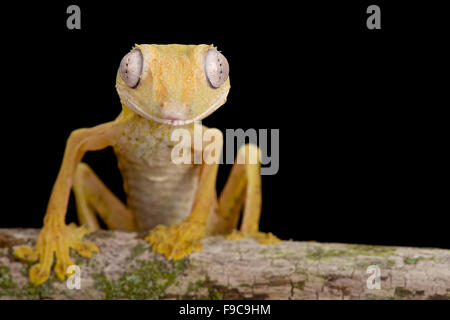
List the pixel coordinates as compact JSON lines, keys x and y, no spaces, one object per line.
{"x":172,"y":121}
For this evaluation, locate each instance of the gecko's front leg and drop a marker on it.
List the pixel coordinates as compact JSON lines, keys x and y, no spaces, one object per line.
{"x":56,"y":238}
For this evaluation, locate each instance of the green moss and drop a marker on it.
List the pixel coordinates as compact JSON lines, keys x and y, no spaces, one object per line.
{"x":410,"y":260}
{"x":78,"y":259}
{"x":300,"y":285}
{"x":206,"y":289}
{"x":274,"y":252}
{"x":319,"y":253}
{"x":350,"y":250}
{"x":138,"y":250}
{"x":414,"y":260}
{"x":370,"y":250}
{"x":6,"y":282}
{"x":388,"y":263}
{"x":403,"y":293}
{"x":26,"y":268}
{"x":192,"y":289}
{"x":381,"y":264}
{"x":375,"y":297}
{"x":148,"y":281}
{"x":214,"y":292}
{"x":29,"y":291}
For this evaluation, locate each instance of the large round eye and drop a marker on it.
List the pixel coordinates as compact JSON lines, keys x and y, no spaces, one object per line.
{"x":216,"y":68}
{"x":131,"y":67}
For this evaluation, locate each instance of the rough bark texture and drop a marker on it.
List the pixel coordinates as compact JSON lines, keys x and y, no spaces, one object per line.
{"x":126,"y":268}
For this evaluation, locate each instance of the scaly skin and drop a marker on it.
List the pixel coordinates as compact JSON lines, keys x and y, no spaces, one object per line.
{"x":176,"y":87}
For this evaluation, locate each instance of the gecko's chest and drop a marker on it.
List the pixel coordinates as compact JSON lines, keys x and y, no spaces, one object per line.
{"x":158,"y":190}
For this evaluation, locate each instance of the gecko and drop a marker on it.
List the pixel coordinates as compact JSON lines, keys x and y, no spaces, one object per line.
{"x":161,"y":88}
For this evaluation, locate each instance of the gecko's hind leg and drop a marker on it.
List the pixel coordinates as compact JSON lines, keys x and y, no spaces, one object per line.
{"x":92,"y":196}
{"x":243,"y":191}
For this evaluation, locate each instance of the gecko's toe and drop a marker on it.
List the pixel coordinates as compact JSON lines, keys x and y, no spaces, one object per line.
{"x":176,"y":241}
{"x":39,"y":273}
{"x":26,"y":253}
{"x":261,"y":237}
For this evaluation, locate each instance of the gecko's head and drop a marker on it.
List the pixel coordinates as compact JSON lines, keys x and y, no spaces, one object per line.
{"x":173,"y":84}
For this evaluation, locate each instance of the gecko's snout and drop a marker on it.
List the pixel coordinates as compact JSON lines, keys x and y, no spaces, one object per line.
{"x":174,"y":111}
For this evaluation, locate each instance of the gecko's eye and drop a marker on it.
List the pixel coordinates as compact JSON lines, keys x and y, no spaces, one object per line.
{"x":131,"y":68}
{"x":216,"y":68}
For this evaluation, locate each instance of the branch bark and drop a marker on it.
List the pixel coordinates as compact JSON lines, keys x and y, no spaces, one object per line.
{"x":126,"y":268}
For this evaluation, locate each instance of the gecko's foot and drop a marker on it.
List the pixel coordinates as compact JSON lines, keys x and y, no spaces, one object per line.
{"x":56,"y":241}
{"x":178,"y":240}
{"x":261,"y":237}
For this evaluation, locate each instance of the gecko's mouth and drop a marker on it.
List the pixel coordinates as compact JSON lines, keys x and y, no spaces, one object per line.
{"x":170,"y":119}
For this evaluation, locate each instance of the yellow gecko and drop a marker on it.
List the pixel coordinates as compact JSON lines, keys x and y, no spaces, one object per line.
{"x":162,"y":88}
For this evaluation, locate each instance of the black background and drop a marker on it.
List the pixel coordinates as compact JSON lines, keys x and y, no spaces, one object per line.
{"x":362,"y":140}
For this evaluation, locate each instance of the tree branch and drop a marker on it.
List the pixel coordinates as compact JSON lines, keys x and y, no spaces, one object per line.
{"x":126,"y":268}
